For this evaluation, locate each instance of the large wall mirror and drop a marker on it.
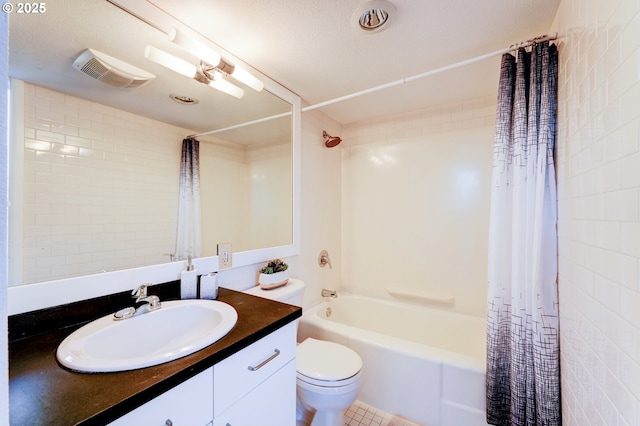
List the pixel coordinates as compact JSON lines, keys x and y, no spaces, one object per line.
{"x":95,"y":168}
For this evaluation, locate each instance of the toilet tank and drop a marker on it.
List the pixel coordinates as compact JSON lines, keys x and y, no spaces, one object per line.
{"x":291,"y":293}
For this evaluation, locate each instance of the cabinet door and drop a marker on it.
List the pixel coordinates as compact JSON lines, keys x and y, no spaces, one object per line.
{"x":272,"y":403}
{"x":237,"y":375}
{"x":188,"y":404}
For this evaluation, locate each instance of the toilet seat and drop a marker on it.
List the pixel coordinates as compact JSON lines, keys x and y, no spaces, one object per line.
{"x":327,"y":364}
{"x":329,"y":383}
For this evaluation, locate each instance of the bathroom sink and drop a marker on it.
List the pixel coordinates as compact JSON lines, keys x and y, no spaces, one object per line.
{"x":177,"y":329}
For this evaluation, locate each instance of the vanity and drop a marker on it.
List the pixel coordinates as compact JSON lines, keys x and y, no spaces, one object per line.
{"x":244,"y":378}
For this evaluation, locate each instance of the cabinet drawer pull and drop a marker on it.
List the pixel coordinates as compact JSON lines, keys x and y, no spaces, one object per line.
{"x":168,"y":422}
{"x":262,"y":364}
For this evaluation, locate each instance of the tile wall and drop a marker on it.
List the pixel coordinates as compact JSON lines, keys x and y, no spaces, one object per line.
{"x":416,"y":190}
{"x":100,"y":187}
{"x":320,"y":218}
{"x":598,"y":163}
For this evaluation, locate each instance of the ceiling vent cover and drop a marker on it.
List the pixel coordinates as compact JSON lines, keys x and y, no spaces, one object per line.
{"x":110,"y":70}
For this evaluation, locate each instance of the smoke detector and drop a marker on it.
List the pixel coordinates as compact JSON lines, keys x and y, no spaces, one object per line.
{"x":110,"y":70}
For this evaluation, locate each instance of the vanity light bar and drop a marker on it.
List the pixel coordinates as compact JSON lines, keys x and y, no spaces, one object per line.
{"x":212,"y":78}
{"x":205,"y":53}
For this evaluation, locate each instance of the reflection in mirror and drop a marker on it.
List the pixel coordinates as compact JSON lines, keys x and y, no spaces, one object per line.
{"x":95,"y":169}
{"x":252,"y":204}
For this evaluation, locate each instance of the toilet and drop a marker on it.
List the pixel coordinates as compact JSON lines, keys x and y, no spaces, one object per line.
{"x":328,"y":375}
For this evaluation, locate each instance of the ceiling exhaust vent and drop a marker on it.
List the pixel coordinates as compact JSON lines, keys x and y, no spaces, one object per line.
{"x":110,"y":70}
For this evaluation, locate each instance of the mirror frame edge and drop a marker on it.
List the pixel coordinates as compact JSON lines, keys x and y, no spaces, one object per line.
{"x":29,"y":297}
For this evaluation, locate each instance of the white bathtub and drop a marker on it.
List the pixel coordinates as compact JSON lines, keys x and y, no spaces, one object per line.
{"x":423,"y":364}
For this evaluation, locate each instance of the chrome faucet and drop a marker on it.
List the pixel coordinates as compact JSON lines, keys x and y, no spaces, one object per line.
{"x":329,"y":293}
{"x":140,"y":294}
{"x":149,"y":303}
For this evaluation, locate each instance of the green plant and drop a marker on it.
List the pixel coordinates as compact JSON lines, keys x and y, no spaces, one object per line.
{"x":273,"y":266}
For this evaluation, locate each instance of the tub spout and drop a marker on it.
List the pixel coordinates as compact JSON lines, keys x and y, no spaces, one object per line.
{"x":329,"y":293}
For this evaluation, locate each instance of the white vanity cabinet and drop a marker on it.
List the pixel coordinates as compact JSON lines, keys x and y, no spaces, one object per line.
{"x":257,"y":386}
{"x":188,"y":404}
{"x":272,"y":403}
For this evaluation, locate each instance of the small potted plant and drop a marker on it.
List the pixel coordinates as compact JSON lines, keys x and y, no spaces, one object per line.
{"x":273,"y":274}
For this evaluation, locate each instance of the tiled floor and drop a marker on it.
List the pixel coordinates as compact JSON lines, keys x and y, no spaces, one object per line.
{"x":360,"y":414}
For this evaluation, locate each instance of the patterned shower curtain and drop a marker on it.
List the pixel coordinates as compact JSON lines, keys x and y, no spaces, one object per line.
{"x":523,"y":357}
{"x":188,"y":241}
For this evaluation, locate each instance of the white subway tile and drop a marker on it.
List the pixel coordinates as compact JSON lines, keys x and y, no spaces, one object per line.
{"x":598,"y":189}
{"x":67,"y":150}
{"x":80,"y":123}
{"x":62,"y":107}
{"x":47,"y":114}
{"x":70,"y":137}
{"x":65,"y":129}
{"x":47,"y":136}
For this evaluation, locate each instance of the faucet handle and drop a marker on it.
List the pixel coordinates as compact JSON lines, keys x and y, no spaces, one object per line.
{"x":323,"y":259}
{"x":140,"y":292}
{"x":154,"y":303}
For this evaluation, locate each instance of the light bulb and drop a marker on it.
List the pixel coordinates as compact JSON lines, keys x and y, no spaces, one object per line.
{"x":193,"y":46}
{"x":250,"y":80}
{"x":169,"y":61}
{"x":224,"y":86}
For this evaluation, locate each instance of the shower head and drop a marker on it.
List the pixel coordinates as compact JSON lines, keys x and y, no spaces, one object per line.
{"x":330,"y":141}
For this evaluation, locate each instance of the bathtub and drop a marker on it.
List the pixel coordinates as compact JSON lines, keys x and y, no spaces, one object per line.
{"x":424,"y":364}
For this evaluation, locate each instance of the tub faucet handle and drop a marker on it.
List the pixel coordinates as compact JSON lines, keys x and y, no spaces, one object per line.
{"x":323,"y":259}
{"x":329,"y":293}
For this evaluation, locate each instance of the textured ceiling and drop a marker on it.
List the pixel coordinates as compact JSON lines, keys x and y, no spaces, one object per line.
{"x":311,"y":46}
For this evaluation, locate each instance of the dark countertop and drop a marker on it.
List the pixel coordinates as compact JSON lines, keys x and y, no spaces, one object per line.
{"x":41,"y":392}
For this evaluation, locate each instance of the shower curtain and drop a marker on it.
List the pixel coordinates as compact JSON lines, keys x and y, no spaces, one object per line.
{"x":523,"y":357}
{"x":188,"y":236}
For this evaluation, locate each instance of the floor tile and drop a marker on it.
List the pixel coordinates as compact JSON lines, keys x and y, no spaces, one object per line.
{"x":360,"y":414}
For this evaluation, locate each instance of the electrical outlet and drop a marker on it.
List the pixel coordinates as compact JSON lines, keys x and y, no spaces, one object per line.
{"x":224,"y":255}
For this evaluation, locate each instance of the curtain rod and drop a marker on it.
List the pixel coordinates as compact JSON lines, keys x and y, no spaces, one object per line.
{"x":432,"y":72}
{"x":236,"y":126}
{"x":511,"y":48}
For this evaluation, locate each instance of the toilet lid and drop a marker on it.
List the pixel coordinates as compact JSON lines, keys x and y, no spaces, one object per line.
{"x":327,"y":361}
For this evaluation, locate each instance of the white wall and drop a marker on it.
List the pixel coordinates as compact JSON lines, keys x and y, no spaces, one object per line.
{"x":598,"y":163}
{"x":253,"y":186}
{"x":222,"y":163}
{"x":270,"y":186}
{"x":320,"y":206}
{"x":4,"y":364}
{"x":416,"y":204}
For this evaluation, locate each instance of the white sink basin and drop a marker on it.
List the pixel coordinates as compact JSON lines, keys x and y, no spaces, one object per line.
{"x":177,"y":329}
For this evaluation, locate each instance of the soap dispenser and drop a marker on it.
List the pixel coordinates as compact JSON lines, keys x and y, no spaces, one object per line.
{"x":189,"y":282}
